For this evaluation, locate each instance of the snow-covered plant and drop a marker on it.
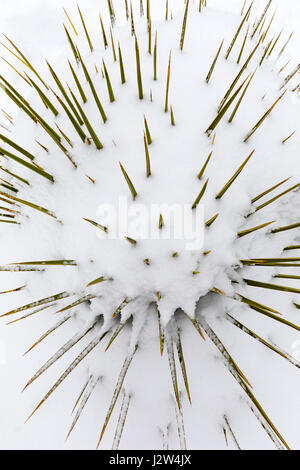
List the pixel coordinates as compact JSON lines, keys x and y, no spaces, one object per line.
{"x":189,"y":110}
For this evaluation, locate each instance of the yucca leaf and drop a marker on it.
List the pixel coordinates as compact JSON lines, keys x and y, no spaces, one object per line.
{"x":122,"y":415}
{"x":89,"y":127}
{"x":65,"y":348}
{"x":238,"y":32}
{"x":233,"y":178}
{"x":258,"y":124}
{"x":214,"y":63}
{"x":184,"y":24}
{"x":117,"y":390}
{"x":122,"y":72}
{"x":46,"y":300}
{"x":85,"y":30}
{"x":71,"y":367}
{"x":168,"y":85}
{"x":138,"y":70}
{"x":108,"y":83}
{"x":129,"y":182}
{"x":201,"y":172}
{"x":48,"y":332}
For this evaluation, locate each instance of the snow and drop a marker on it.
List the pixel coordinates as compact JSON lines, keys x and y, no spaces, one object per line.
{"x":177,"y":155}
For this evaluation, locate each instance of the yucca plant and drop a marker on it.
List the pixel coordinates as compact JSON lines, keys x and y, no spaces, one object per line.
{"x":176,"y":111}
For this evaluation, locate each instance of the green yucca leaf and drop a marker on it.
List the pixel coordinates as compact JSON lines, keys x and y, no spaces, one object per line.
{"x":83,"y":299}
{"x":235,"y":371}
{"x":47,"y":333}
{"x":78,"y":84}
{"x":200,"y":195}
{"x":222,"y":111}
{"x":138,"y":70}
{"x":103,"y":33}
{"x":155,"y":58}
{"x":182,"y":365}
{"x":71,"y":23}
{"x":46,"y":300}
{"x":129,"y":182}
{"x":229,"y":426}
{"x":274,"y":44}
{"x":214,"y":63}
{"x":184,"y":24}
{"x":64,"y":93}
{"x":258,"y":208}
{"x":111,"y":12}
{"x":71,"y":44}
{"x":251,"y":333}
{"x":201,"y":172}
{"x":89,"y":127}
{"x":240,"y":99}
{"x":132,"y":21}
{"x":97,"y":281}
{"x":172,"y":365}
{"x":16,"y":289}
{"x":122,"y":415}
{"x":266,"y":285}
{"x":172,"y":116}
{"x":211,"y":221}
{"x":117,"y":390}
{"x":56,"y":262}
{"x":85,"y":30}
{"x":26,"y":61}
{"x":19,"y":103}
{"x":116,"y":332}
{"x":147,"y":131}
{"x":108,"y":83}
{"x":64,"y":135}
{"x":148,"y":166}
{"x":238,"y":32}
{"x":265,"y":52}
{"x":71,"y":367}
{"x":268,"y":191}
{"x":160,"y":222}
{"x":149,"y":36}
{"x":161,"y":331}
{"x":292,"y":247}
{"x":30,"y":204}
{"x":131,"y":240}
{"x":96,"y":224}
{"x":168,"y":85}
{"x":126,"y":9}
{"x":261,"y":19}
{"x":113,"y":45}
{"x":243,"y":46}
{"x":233,"y":178}
{"x":20,"y":75}
{"x":286,"y":276}
{"x":82,"y":392}
{"x":65,"y":348}
{"x":286,"y":227}
{"x":236,"y":79}
{"x":253,"y":229}
{"x":71,"y":118}
{"x":44,"y":98}
{"x":15,"y":176}
{"x":93,"y":90}
{"x":28,"y":165}
{"x":257,"y":125}
{"x":287,"y":138}
{"x":84,"y":400}
{"x":122,"y":72}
